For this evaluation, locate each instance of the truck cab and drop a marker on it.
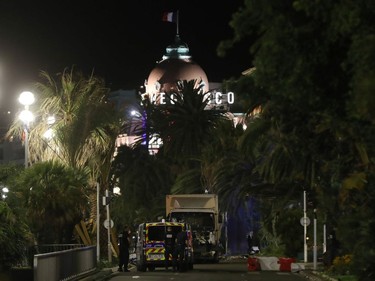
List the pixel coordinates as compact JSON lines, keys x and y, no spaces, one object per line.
{"x":201,"y":211}
{"x":204,"y":232}
{"x":152,"y":240}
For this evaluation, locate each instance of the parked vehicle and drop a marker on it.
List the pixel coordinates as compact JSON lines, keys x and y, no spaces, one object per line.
{"x":201,"y":211}
{"x":152,"y":239}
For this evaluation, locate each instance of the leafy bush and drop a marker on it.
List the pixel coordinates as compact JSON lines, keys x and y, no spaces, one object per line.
{"x":342,"y":265}
{"x":14,"y":238}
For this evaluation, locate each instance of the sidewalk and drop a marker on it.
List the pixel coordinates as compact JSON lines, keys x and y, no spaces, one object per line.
{"x":103,"y":274}
{"x":98,"y":275}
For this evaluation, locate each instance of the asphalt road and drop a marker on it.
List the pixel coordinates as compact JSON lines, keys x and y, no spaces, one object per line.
{"x":219,"y":272}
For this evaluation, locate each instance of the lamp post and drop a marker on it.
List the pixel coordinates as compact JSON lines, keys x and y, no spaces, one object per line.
{"x":26,"y":98}
{"x":109,"y":227}
{"x":315,"y":255}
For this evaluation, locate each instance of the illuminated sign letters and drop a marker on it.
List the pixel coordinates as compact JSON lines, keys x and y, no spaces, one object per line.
{"x":213,"y":98}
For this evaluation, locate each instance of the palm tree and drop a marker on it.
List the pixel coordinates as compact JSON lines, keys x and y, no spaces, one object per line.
{"x":84,"y":130}
{"x":84,"y":122}
{"x":185,"y":126}
{"x":219,"y":166}
{"x":144,"y":181}
{"x":55,"y":201}
{"x":15,"y":237}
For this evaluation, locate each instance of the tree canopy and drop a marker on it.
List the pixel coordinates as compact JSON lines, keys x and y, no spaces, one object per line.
{"x":313,"y":78}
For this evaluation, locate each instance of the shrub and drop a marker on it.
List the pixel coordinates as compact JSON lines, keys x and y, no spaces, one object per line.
{"x":14,"y":238}
{"x":341,"y":265}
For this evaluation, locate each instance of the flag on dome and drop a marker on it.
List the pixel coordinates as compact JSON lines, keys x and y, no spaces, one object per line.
{"x":169,"y":16}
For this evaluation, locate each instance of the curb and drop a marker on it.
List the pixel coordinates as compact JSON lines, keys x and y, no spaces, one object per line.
{"x":326,"y":277}
{"x":316,"y":276}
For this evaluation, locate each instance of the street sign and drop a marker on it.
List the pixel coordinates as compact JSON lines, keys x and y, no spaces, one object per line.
{"x":305,"y":221}
{"x":106,"y":224}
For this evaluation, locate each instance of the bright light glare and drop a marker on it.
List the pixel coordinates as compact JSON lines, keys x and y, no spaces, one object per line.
{"x":5,"y":190}
{"x":48,"y":134}
{"x":26,"y":116}
{"x":26,"y":98}
{"x":117,"y":190}
{"x":135,"y":113}
{"x":51,"y":120}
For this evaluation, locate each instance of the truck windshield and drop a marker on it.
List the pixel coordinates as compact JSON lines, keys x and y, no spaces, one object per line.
{"x":198,"y":221}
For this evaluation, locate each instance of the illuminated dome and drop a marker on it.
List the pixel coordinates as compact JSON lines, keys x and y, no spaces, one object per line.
{"x":176,"y":65}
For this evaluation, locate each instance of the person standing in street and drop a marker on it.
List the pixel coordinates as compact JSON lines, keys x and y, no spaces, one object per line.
{"x":250,"y":243}
{"x":124,"y":243}
{"x":169,"y":247}
{"x":179,"y":251}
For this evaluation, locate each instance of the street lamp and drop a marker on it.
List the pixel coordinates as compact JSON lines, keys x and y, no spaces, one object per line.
{"x":26,"y":98}
{"x":4,"y":192}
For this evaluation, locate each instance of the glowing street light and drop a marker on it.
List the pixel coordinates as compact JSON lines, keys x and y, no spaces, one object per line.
{"x":26,"y":116}
{"x":4,"y":192}
{"x":26,"y":98}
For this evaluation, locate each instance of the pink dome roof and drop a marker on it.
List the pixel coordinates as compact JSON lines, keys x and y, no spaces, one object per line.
{"x":166,"y":73}
{"x":176,"y":65}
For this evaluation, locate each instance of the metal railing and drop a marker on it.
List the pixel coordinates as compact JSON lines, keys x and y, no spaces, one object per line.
{"x":49,"y":248}
{"x":64,"y":265}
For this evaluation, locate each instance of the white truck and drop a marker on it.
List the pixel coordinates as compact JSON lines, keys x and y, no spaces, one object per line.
{"x":201,"y":211}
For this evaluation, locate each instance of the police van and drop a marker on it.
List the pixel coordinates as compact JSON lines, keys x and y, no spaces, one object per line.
{"x":155,"y":238}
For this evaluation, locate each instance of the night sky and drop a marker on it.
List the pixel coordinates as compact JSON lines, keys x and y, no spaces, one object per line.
{"x":118,"y":40}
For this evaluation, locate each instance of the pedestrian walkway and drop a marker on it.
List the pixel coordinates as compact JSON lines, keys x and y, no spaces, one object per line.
{"x":103,"y":274}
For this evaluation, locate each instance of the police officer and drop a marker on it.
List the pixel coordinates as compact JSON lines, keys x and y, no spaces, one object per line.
{"x":124,"y":243}
{"x":169,"y":247}
{"x":250,"y":243}
{"x":179,"y":251}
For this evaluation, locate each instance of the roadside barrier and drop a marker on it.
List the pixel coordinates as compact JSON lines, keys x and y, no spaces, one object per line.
{"x":253,"y":264}
{"x":65,"y":265}
{"x":257,"y":263}
{"x":286,"y":264}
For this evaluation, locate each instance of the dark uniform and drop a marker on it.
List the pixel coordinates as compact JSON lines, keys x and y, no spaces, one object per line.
{"x":250,"y":243}
{"x":179,"y":251}
{"x":169,"y":248}
{"x":124,"y":243}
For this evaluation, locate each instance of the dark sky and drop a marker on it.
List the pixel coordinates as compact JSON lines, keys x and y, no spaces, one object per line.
{"x":119,"y":40}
